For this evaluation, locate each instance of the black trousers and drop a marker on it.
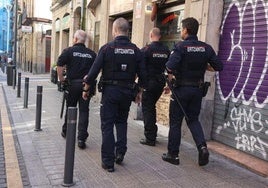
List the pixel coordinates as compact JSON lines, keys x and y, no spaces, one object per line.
{"x":115,"y":104}
{"x":74,"y":97}
{"x":149,"y":99}
{"x":190,"y":99}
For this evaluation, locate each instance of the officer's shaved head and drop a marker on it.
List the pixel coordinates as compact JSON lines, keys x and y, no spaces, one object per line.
{"x":80,"y":36}
{"x":156,"y":31}
{"x":120,"y":27}
{"x":155,"y":34}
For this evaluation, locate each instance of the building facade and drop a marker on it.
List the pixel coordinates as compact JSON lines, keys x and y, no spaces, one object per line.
{"x":6,"y":25}
{"x":34,"y":36}
{"x":234,"y":112}
{"x":96,"y":17}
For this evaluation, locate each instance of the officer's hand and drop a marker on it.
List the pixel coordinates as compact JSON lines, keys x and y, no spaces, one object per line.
{"x":63,"y":84}
{"x":85,"y":77}
{"x":166,"y":90}
{"x":85,"y":95}
{"x":210,"y":68}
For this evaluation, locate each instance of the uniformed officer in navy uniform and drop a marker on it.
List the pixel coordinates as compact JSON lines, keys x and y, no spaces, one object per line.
{"x":77,"y":60}
{"x":120,"y":61}
{"x":188,"y":63}
{"x":155,"y":56}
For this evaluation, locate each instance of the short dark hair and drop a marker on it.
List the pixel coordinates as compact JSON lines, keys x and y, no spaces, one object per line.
{"x":191,"y":24}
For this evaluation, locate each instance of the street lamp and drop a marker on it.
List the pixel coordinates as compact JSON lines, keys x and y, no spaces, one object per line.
{"x":8,"y":8}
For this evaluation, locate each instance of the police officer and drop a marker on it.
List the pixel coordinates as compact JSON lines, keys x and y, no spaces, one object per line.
{"x":155,"y":56}
{"x":188,"y":63}
{"x":77,"y":60}
{"x":120,"y":61}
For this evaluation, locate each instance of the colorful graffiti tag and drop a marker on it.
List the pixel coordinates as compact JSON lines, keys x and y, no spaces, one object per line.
{"x":244,"y":80}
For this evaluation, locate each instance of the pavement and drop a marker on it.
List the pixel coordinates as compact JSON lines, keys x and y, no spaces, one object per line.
{"x":36,"y":159}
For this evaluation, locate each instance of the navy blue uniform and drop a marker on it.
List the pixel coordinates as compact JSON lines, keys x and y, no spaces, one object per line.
{"x":188,"y":62}
{"x":120,"y":61}
{"x":155,"y":56}
{"x":78,"y":60}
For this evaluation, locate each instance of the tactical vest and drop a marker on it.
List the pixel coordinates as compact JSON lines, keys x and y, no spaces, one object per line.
{"x":120,"y":63}
{"x":156,"y":58}
{"x":194,"y":62}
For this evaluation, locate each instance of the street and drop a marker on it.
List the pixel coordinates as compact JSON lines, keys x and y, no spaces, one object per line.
{"x":41,"y":154}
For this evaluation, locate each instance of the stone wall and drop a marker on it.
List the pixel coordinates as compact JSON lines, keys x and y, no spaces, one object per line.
{"x":162,"y":110}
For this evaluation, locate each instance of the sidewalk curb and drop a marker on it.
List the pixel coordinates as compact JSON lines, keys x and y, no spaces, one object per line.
{"x":14,"y":179}
{"x":251,"y":163}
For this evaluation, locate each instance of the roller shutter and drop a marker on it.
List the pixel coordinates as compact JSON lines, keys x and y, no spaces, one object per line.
{"x":241,"y":110}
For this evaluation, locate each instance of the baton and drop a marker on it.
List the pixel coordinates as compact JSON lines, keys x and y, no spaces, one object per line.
{"x":176,"y":98}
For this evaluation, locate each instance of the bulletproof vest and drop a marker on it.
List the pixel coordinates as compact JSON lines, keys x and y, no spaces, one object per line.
{"x":156,"y":58}
{"x":194,"y":61}
{"x":120,"y":62}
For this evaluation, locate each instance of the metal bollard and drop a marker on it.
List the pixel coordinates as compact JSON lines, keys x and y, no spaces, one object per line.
{"x":26,"y":92}
{"x":14,"y":78}
{"x":38,"y":108}
{"x":70,"y":147}
{"x":19,"y":84}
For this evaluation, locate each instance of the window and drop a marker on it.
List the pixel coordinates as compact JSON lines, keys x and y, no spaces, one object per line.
{"x":170,"y":26}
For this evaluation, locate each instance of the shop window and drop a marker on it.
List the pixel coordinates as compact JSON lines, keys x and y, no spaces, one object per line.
{"x":170,"y":26}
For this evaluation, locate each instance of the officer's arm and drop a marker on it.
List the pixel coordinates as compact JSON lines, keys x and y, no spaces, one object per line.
{"x":174,"y":60}
{"x":142,"y":74}
{"x":93,"y":73}
{"x":60,"y":71}
{"x":61,"y":63}
{"x":215,"y":62}
{"x":96,"y":67}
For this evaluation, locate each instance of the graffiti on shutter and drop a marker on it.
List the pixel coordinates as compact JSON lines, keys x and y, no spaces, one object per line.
{"x":241,"y":109}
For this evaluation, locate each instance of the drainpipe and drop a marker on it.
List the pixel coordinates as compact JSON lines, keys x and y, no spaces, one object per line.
{"x":83,"y":15}
{"x":15,"y":32}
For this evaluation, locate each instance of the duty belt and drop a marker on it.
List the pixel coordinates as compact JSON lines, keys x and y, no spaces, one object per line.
{"x":188,"y":83}
{"x":76,"y":81}
{"x":119,"y":83}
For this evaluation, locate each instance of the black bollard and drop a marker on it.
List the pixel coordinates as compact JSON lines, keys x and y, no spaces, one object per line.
{"x":38,"y":108}
{"x":26,"y":92}
{"x":70,"y":147}
{"x":19,"y":84}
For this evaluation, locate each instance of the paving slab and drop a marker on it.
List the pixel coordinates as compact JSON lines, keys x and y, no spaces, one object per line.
{"x":43,"y":152}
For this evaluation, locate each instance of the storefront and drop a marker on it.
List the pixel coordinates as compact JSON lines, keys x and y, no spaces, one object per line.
{"x":169,"y":22}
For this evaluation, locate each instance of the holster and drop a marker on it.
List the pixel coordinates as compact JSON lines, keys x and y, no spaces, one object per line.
{"x":100,"y":84}
{"x":64,"y":85}
{"x":204,"y":88}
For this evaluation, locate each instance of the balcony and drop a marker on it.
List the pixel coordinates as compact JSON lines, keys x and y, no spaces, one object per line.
{"x":58,"y":3}
{"x":93,"y":3}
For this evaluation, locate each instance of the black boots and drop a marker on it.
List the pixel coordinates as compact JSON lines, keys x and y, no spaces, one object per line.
{"x":119,"y":158}
{"x":81,"y":144}
{"x":203,"y":156}
{"x":107,"y":168}
{"x":147,"y":142}
{"x":173,"y":159}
